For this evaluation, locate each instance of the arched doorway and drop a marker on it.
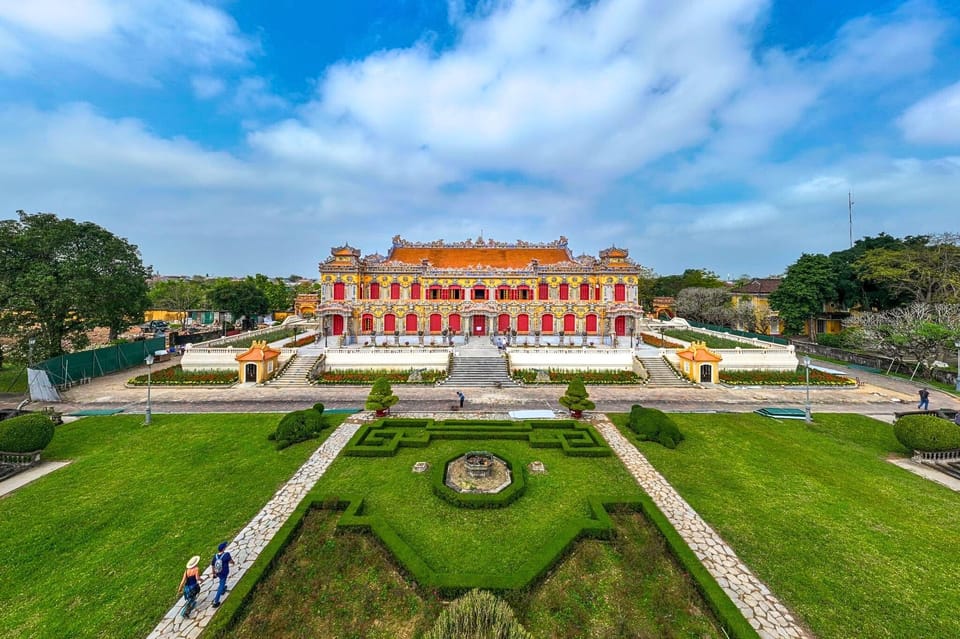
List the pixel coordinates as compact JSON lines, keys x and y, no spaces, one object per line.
{"x":569,"y":323}
{"x":250,"y":372}
{"x":592,"y":324}
{"x":338,"y":324}
{"x":435,"y":323}
{"x":479,"y":325}
{"x":523,"y":323}
{"x":620,"y":326}
{"x":546,"y":324}
{"x":389,"y":323}
{"x":411,"y":324}
{"x":455,"y":324}
{"x":503,"y":323}
{"x":706,"y":373}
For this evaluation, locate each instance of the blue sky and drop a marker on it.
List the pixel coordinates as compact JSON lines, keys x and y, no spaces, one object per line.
{"x":236,"y":137}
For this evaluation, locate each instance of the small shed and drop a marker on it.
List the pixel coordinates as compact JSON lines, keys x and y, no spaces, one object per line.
{"x":259,"y":363}
{"x":699,"y":364}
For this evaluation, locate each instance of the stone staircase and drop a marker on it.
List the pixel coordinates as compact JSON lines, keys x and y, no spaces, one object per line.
{"x":662,"y":374}
{"x":295,"y":374}
{"x":478,"y":369}
{"x":951,"y":468}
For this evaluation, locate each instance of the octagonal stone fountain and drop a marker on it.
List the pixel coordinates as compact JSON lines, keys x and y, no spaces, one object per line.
{"x":478,"y":471}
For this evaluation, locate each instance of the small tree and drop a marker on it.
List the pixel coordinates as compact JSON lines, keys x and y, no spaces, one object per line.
{"x":381,"y":396}
{"x":576,"y":398}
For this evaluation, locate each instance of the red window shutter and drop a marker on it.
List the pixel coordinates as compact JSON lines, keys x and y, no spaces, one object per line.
{"x":619,"y":293}
{"x":394,"y":291}
{"x":584,"y":291}
{"x":544,"y":291}
{"x":564,"y":291}
{"x":415,"y":292}
{"x":339,"y":291}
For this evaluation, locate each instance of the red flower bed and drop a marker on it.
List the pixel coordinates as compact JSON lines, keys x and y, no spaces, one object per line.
{"x":176,"y":376}
{"x":784,"y":378}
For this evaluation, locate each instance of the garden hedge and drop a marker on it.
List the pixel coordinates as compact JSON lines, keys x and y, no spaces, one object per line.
{"x":927,"y":433}
{"x":383,"y":438}
{"x":653,"y":425}
{"x":299,"y":426}
{"x":25,"y":433}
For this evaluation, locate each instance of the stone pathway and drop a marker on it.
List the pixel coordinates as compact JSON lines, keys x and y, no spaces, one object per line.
{"x":250,"y":542}
{"x":763,"y":610}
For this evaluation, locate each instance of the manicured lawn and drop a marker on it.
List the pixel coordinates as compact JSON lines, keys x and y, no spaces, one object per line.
{"x":712,"y":341}
{"x":97,"y":548}
{"x":854,"y":545}
{"x":483,"y":542}
{"x":346,"y":585}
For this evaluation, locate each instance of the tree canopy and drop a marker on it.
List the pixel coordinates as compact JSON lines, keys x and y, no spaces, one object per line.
{"x":922,"y":269}
{"x":808,"y":284}
{"x":60,"y":277}
{"x":242,"y":298}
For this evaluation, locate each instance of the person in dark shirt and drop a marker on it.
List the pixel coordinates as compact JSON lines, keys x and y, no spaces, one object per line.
{"x":924,"y":399}
{"x":221,"y":569}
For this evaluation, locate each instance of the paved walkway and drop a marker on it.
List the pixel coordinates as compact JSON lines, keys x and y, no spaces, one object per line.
{"x":763,"y":610}
{"x":23,"y":478}
{"x":250,"y":542}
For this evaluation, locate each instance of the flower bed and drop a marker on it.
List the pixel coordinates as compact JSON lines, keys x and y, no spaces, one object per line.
{"x":176,"y":376}
{"x":303,"y":340}
{"x":529,"y":376}
{"x":657,"y":342}
{"x":783,"y":378}
{"x":364,"y":377}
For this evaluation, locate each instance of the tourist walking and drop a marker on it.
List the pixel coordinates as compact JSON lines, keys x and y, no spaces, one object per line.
{"x":221,"y":569}
{"x":190,"y":585}
{"x":924,"y":399}
{"x":462,"y":398}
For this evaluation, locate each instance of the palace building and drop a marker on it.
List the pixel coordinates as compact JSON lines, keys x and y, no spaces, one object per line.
{"x":477,"y":287}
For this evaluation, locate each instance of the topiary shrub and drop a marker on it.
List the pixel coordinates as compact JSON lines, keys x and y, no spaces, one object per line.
{"x":25,"y":433}
{"x":575,"y":400}
{"x":653,"y":425}
{"x":927,"y":433}
{"x":381,"y":396}
{"x":298,"y":426}
{"x":478,"y":614}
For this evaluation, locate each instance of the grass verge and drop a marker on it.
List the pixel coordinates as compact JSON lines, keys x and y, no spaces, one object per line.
{"x":852,"y":544}
{"x":97,"y":548}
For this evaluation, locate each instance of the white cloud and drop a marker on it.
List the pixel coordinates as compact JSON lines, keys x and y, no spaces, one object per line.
{"x":206,"y":87}
{"x":254,"y":94}
{"x":133,"y":40}
{"x":934,"y":119}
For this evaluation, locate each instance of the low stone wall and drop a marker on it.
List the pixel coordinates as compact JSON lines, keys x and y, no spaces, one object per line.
{"x":387,"y":358}
{"x":599,"y":359}
{"x":221,"y":359}
{"x":880,"y":362}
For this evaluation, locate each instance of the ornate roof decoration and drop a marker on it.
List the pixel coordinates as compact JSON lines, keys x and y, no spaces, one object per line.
{"x":399,"y":242}
{"x":479,"y":254}
{"x":258,"y":352}
{"x":374,"y":258}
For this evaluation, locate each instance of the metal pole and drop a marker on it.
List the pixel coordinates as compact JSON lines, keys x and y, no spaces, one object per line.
{"x":807,"y":417}
{"x":149,"y":362}
{"x":957,"y":380}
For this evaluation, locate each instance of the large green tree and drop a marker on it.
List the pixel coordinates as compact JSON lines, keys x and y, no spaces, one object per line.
{"x":242,"y":298}
{"x":808,"y":284}
{"x":60,"y":277}
{"x":918,"y":333}
{"x":279,"y":295}
{"x":179,"y":295}
{"x":925,"y":269}
{"x":854,"y":292}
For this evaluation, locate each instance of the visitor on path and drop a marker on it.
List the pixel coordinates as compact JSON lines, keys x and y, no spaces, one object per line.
{"x":190,"y":585}
{"x":462,"y":398}
{"x":924,"y":399}
{"x":221,"y":568}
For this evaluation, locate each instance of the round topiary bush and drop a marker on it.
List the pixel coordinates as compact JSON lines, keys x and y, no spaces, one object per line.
{"x":927,"y":433}
{"x":26,"y":433}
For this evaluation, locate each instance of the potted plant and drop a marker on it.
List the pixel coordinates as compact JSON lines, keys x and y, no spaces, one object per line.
{"x":576,"y":399}
{"x":381,"y":397}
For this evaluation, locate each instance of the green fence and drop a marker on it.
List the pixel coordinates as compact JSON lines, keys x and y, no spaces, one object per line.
{"x":73,"y":367}
{"x":731,"y":331}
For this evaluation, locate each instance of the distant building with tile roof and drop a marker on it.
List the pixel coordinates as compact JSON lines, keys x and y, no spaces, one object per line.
{"x":477,"y":287}
{"x":757,"y":292}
